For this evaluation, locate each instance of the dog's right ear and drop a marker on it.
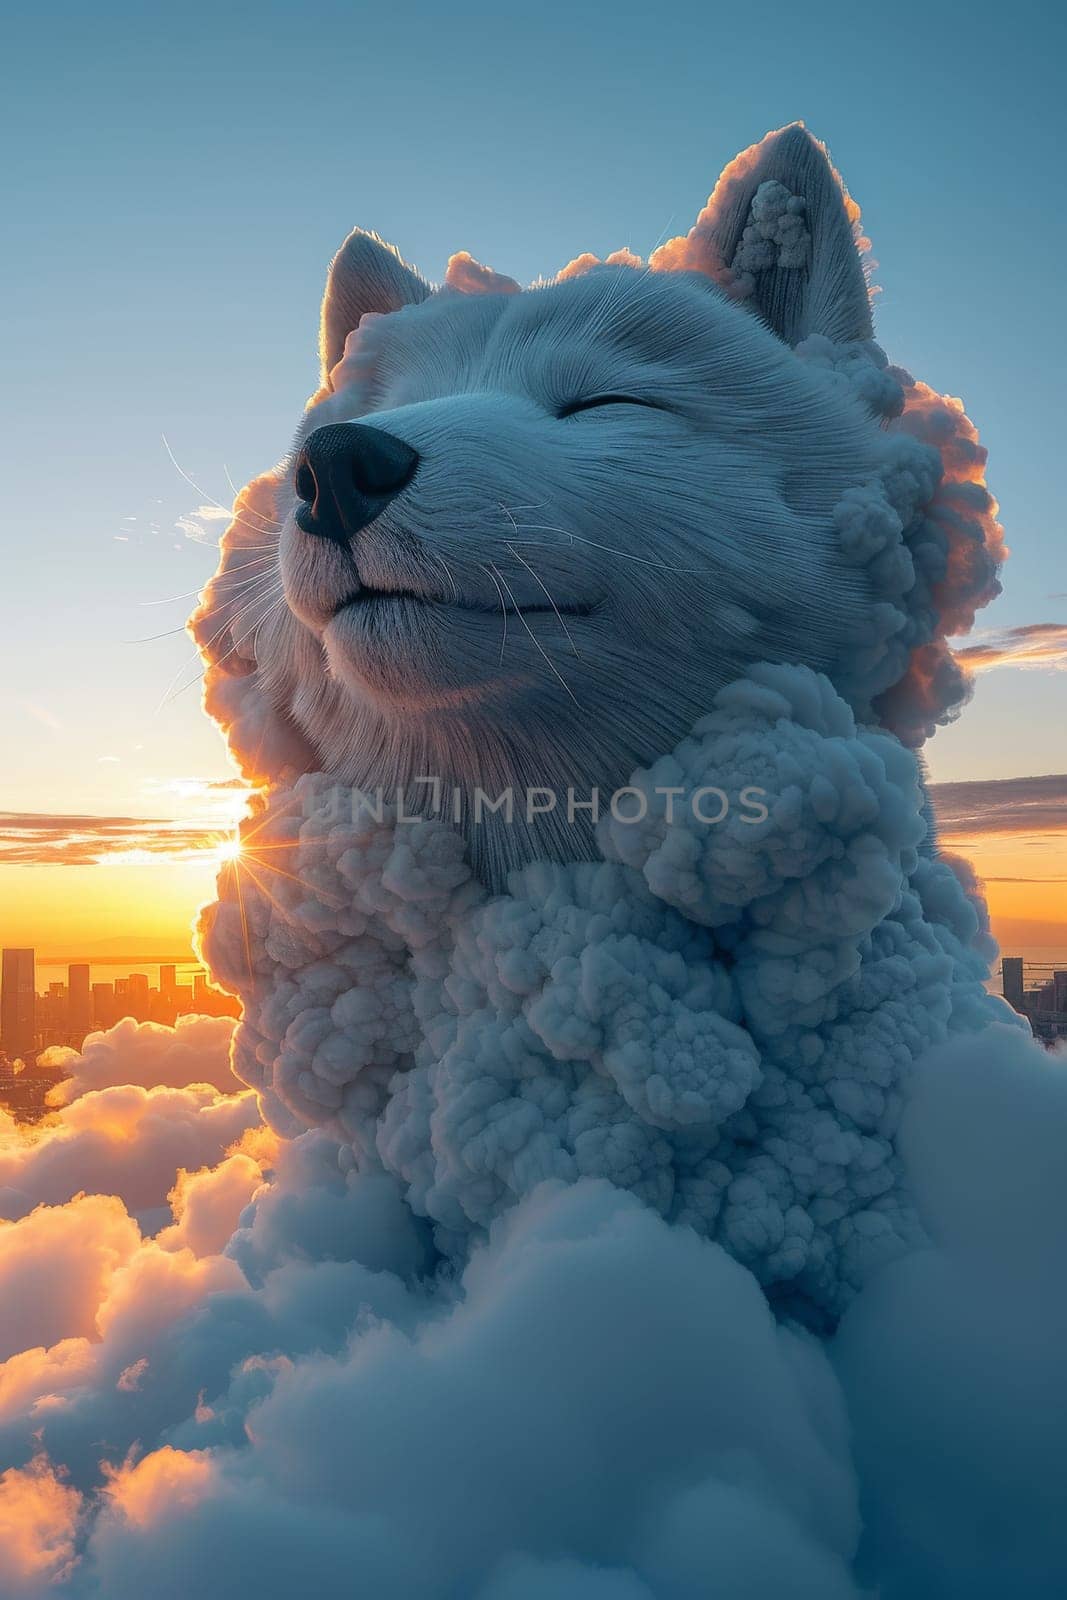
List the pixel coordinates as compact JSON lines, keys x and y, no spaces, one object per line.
{"x":781,"y":233}
{"x":365,"y":275}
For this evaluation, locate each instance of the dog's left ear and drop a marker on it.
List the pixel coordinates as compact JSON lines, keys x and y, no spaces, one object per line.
{"x":781,"y":233}
{"x":365,"y":275}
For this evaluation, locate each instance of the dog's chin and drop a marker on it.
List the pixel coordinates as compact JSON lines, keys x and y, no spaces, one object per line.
{"x":412,"y":657}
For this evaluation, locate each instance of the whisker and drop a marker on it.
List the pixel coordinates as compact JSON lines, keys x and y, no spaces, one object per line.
{"x":252,"y":548}
{"x":170,"y":698}
{"x":552,"y":603}
{"x":229,"y":480}
{"x":226,"y":582}
{"x":624,"y":555}
{"x":201,"y":649}
{"x":254,"y":597}
{"x":148,"y":638}
{"x":234,"y":522}
{"x":189,"y":594}
{"x":548,"y":660}
{"x":256,"y":569}
{"x":449,"y":574}
{"x":503,"y":609}
{"x":225,"y":594}
{"x":210,"y":498}
{"x":537,"y":580}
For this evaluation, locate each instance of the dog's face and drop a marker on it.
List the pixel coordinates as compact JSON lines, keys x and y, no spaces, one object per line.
{"x":596,"y":499}
{"x":524,"y":537}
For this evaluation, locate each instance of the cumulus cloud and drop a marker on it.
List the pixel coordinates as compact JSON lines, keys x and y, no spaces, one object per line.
{"x":963,"y":1342}
{"x":208,"y":1204}
{"x":142,"y":1104}
{"x":54,"y":1266}
{"x":722,"y":1019}
{"x":602,"y":1405}
{"x":125,"y":1140}
{"x":39,"y":1515}
{"x":587,"y":261}
{"x":470,"y":277}
{"x":195,"y":1050}
{"x":470,"y":1463}
{"x":926,"y":531}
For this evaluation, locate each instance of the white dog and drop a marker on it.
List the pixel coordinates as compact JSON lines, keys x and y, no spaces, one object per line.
{"x":679,"y":529}
{"x":525,"y":537}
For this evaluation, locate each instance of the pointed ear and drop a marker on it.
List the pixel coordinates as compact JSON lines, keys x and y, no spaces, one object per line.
{"x":781,"y":232}
{"x":365,"y":275}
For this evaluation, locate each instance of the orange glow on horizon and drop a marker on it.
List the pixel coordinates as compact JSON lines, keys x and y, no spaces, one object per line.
{"x":148,"y":907}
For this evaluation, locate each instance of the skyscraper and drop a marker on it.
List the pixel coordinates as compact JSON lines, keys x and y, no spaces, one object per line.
{"x":138,"y":999}
{"x":103,"y":1005}
{"x":1013,"y":981}
{"x":79,"y":1013}
{"x":18,"y":1002}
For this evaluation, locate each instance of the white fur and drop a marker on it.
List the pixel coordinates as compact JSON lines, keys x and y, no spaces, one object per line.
{"x":591,"y":580}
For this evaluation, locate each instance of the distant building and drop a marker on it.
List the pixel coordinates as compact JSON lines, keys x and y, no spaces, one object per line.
{"x":1044,"y":1006}
{"x":211,"y":1002}
{"x":66,"y":1012}
{"x":1013,"y":981}
{"x":18,"y":1003}
{"x":103,"y":1005}
{"x":79,"y":1001}
{"x":138,"y":996}
{"x":53,"y":1017}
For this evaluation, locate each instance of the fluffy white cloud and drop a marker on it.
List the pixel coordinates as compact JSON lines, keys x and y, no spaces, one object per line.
{"x":603,"y":1406}
{"x":127,"y":1140}
{"x":952,"y":1362}
{"x":195,"y":1050}
{"x":721,"y":1018}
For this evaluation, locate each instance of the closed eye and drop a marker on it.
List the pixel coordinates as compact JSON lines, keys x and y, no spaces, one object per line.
{"x":605,"y":400}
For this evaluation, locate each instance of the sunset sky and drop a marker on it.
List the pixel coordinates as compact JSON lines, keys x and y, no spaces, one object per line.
{"x":166,"y":238}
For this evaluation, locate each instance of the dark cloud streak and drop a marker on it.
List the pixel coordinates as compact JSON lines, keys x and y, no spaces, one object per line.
{"x":1002,"y":805}
{"x":1036,"y":644}
{"x":34,"y":838}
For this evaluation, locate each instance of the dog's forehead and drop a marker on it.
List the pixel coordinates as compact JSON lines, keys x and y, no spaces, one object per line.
{"x":463,"y":340}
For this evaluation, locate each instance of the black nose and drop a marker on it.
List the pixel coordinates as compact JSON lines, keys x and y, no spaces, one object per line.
{"x":346,"y":474}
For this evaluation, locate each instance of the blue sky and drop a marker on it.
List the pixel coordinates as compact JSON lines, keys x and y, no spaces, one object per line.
{"x":180,"y":181}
